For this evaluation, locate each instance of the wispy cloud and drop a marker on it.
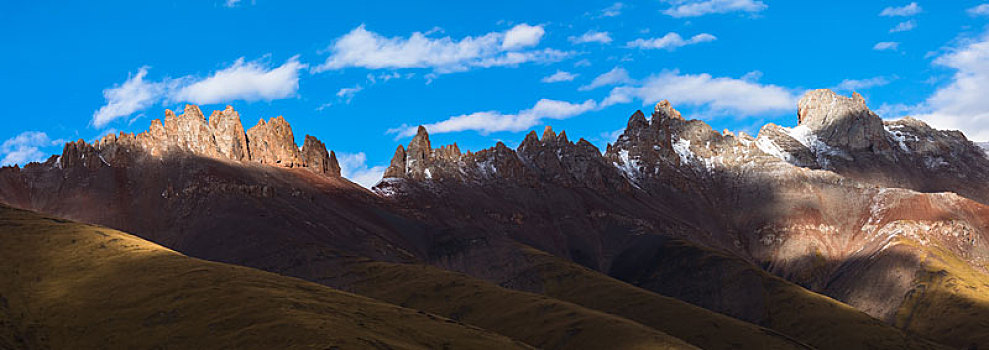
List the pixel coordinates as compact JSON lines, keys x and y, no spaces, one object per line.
{"x":348,"y":93}
{"x":715,"y":95}
{"x":25,"y":148}
{"x":904,"y":26}
{"x":247,"y":81}
{"x":670,"y":41}
{"x":617,"y":75}
{"x":591,"y":37}
{"x":133,"y":95}
{"x":980,"y":10}
{"x":902,"y":11}
{"x":354,"y":166}
{"x":961,"y":104}
{"x":366,"y":49}
{"x":886,"y":46}
{"x":695,"y":8}
{"x":862,"y":84}
{"x":613,"y":10}
{"x":559,"y":76}
{"x":492,"y":121}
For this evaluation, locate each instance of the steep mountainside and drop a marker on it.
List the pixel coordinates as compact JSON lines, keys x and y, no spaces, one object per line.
{"x":301,"y":223}
{"x":831,"y":234}
{"x":817,"y":204}
{"x":65,"y":285}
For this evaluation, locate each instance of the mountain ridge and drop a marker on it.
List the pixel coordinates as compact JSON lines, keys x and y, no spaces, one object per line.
{"x":788,"y":219}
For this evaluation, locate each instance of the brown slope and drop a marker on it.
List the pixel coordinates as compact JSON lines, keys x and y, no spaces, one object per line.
{"x":284,"y":220}
{"x":538,"y":320}
{"x":71,"y":285}
{"x":543,"y":202}
{"x":721,"y":281}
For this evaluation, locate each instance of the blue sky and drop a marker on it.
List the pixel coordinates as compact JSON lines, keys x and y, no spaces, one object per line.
{"x":360,"y":75}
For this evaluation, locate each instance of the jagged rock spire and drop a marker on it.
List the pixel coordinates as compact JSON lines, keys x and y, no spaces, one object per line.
{"x":221,"y":137}
{"x":842,"y":122}
{"x":664,"y":110}
{"x":396,"y":168}
{"x":548,"y":134}
{"x":637,"y":121}
{"x":315,"y":157}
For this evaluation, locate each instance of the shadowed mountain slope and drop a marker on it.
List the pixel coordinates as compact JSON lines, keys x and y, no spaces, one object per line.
{"x":67,"y":285}
{"x":673,"y":211}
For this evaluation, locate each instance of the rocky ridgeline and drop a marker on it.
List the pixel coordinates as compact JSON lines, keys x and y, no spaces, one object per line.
{"x":553,"y":158}
{"x":221,"y":137}
{"x":834,"y":133}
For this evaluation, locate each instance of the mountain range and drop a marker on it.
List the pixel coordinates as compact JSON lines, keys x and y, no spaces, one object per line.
{"x":846,"y":231}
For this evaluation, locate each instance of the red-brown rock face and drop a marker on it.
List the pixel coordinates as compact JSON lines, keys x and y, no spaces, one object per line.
{"x":222,"y":137}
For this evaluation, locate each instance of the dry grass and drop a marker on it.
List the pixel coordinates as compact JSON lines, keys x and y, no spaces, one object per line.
{"x":535,"y":319}
{"x":65,"y":285}
{"x":699,"y":326}
{"x":949,"y":302}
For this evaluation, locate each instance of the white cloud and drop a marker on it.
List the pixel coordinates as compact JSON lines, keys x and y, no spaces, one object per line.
{"x":366,"y":49}
{"x":613,"y":10}
{"x":559,"y":76}
{"x":961,"y":104}
{"x":25,"y":148}
{"x":348,"y":93}
{"x":670,"y":41}
{"x":492,"y":121}
{"x":981,"y":10}
{"x":896,"y":110}
{"x":617,"y":75}
{"x":248,"y":81}
{"x":904,"y":26}
{"x":694,"y":8}
{"x":582,"y":63}
{"x":354,"y":166}
{"x":903,"y":11}
{"x":862,"y":84}
{"x":717,"y":95}
{"x":133,"y":95}
{"x":521,"y":36}
{"x":886,"y":45}
{"x":231,"y":3}
{"x":591,"y":37}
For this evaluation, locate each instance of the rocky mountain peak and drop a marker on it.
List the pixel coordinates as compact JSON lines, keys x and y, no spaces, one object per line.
{"x":664,"y":110}
{"x":548,"y":134}
{"x":842,"y":122}
{"x":637,"y":121}
{"x":221,"y":137}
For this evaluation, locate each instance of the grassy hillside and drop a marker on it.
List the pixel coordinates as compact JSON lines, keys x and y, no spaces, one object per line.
{"x":699,"y":326}
{"x":716,"y":280}
{"x":535,"y":319}
{"x":949,"y":301}
{"x":65,"y":285}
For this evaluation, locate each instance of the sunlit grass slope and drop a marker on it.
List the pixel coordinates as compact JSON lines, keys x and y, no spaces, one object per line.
{"x":65,"y":285}
{"x":949,"y":301}
{"x":538,"y":320}
{"x":812,"y":318}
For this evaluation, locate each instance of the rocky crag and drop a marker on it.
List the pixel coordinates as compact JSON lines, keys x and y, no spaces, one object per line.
{"x":673,"y":212}
{"x":221,"y":137}
{"x":842,"y":196}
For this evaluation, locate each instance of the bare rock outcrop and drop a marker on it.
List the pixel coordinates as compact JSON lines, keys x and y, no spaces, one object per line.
{"x":228,"y":132}
{"x":842,"y":122}
{"x":273,"y":143}
{"x":221,"y":137}
{"x":315,"y":157}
